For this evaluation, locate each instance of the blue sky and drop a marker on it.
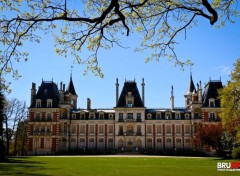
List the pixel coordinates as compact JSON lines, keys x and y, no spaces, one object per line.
{"x":213,"y":52}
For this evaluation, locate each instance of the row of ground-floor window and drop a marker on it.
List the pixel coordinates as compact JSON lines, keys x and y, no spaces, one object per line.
{"x":41,"y":145}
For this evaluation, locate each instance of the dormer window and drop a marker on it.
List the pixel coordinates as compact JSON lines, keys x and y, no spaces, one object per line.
{"x":92,"y":115}
{"x":82,"y":116}
{"x":38,"y":103}
{"x":129,"y":104}
{"x":158,"y":115}
{"x":73,"y":116}
{"x":101,"y":116}
{"x":149,"y":116}
{"x":49,"y":103}
{"x":110,"y":116}
{"x":168,"y":115}
{"x":211,"y":102}
{"x":129,"y":100}
{"x":186,"y":116}
{"x":178,"y":116}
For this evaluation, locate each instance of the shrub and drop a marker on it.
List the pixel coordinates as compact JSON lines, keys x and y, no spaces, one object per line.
{"x":236,"y":153}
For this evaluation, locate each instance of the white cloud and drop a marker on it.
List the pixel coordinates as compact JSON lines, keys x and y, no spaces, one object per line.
{"x":224,"y":70}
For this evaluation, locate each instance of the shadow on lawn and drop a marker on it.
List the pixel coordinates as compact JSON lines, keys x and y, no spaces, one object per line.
{"x":21,"y":166}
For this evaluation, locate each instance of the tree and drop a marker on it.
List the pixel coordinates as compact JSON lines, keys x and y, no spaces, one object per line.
{"x":20,"y":138}
{"x":209,"y":135}
{"x":94,"y":24}
{"x":1,"y":122}
{"x":15,"y":112}
{"x":230,"y":103}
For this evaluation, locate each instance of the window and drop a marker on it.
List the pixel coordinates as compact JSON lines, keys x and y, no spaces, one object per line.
{"x":129,"y":115}
{"x":196,"y":115}
{"x":186,"y":116}
{"x":100,"y":129}
{"x":179,"y":143}
{"x":178,"y":129}
{"x":130,"y":129}
{"x":139,"y":130}
{"x":187,"y":129}
{"x":158,"y":115}
{"x":159,"y":129}
{"x":110,"y":129}
{"x":101,"y":116}
{"x":149,"y":129}
{"x":138,"y":116}
{"x":120,"y":116}
{"x":49,"y":116}
{"x":91,"y":129}
{"x":169,"y":129}
{"x":120,"y":132}
{"x":168,"y":142}
{"x":149,"y":116}
{"x":73,"y":116}
{"x":149,"y":143}
{"x":82,"y":128}
{"x":110,"y":143}
{"x":73,"y":129}
{"x":92,"y":115}
{"x":48,"y":128}
{"x":49,"y":103}
{"x":37,"y":116}
{"x":82,"y":116}
{"x":110,"y":116}
{"x":211,"y":102}
{"x":168,"y":115}
{"x":212,"y":116}
{"x":129,"y":104}
{"x":38,"y":103}
{"x":101,"y":140}
{"x":42,"y":129}
{"x":178,"y":116}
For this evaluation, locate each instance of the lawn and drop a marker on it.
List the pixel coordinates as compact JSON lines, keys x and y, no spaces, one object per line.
{"x":114,"y":166}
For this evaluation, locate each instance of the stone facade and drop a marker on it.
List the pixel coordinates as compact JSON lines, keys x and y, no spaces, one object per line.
{"x":56,"y":125}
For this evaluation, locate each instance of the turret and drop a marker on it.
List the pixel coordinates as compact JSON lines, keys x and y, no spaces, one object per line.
{"x":188,"y":94}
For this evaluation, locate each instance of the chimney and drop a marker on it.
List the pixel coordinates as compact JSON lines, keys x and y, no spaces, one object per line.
{"x":33,"y":92}
{"x":63,"y":87}
{"x":117,"y":92}
{"x":200,"y":93}
{"x":88,"y":103}
{"x":143,"y":91}
{"x":172,"y":98}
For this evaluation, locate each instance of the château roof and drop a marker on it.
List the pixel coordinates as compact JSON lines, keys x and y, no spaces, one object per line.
{"x":211,"y":91}
{"x":191,"y":86}
{"x":130,"y":86}
{"x":70,"y":88}
{"x":47,"y":90}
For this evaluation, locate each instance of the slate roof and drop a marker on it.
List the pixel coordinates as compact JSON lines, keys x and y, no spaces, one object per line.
{"x":70,"y":88}
{"x":130,"y":86}
{"x":191,"y":86}
{"x":211,"y":91}
{"x":47,"y":90}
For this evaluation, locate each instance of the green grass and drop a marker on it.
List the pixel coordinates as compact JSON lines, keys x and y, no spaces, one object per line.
{"x":106,"y":166}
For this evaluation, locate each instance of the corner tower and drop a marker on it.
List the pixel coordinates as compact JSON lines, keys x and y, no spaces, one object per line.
{"x":188,"y":95}
{"x":71,"y":94}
